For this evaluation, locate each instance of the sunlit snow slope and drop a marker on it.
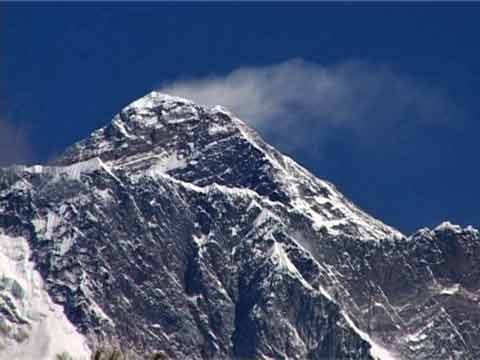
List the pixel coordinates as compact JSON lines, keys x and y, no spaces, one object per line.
{"x":32,"y":326}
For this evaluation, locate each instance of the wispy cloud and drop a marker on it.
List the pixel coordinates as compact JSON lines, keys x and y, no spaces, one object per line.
{"x":14,"y":144}
{"x":303,"y":105}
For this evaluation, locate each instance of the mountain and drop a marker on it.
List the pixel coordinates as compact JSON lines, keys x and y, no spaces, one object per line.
{"x":176,"y":229}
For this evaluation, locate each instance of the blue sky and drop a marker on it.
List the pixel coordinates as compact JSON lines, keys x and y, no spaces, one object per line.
{"x":382,"y":100}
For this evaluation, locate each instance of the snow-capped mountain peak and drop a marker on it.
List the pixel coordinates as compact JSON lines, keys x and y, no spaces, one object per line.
{"x":177,"y":228}
{"x":200,"y":145}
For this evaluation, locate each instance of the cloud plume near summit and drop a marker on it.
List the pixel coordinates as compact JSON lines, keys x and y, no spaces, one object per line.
{"x":301,"y":104}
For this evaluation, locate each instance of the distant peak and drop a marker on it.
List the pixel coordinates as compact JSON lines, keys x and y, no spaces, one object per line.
{"x":447,"y":226}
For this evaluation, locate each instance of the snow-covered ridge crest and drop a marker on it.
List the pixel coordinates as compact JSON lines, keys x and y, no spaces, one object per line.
{"x":446,"y":227}
{"x":154,"y":98}
{"x":73,"y":171}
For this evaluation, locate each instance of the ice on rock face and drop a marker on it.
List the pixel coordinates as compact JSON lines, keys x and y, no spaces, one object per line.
{"x":281,"y":260}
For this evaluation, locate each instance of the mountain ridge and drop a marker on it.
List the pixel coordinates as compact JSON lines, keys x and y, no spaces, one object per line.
{"x":176,"y":228}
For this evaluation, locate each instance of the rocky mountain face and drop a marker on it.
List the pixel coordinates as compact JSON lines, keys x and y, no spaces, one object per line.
{"x":177,"y":229}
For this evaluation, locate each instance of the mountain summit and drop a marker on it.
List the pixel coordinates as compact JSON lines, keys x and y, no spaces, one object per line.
{"x":176,"y":229}
{"x":169,"y":136}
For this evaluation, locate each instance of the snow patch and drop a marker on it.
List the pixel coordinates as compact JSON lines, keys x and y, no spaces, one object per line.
{"x":74,"y":171}
{"x":53,"y":220}
{"x":167,"y":163}
{"x":234,"y":230}
{"x":378,"y":352}
{"x":45,"y":331}
{"x":40,"y":225}
{"x":200,"y":240}
{"x":118,"y":123}
{"x":216,"y":129}
{"x":450,"y":290}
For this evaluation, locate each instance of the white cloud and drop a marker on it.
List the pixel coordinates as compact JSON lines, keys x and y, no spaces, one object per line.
{"x":302,"y":105}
